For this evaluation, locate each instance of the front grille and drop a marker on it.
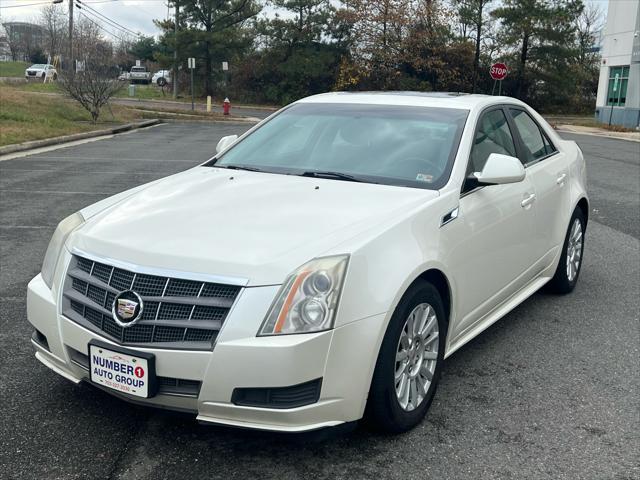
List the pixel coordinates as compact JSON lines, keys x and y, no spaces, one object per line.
{"x":177,"y":313}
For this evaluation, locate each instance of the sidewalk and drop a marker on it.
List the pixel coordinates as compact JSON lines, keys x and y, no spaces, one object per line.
{"x":200,"y":106}
{"x":599,"y":132}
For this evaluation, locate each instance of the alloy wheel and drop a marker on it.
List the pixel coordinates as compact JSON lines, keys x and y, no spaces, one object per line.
{"x":416,"y":356}
{"x":574,"y":250}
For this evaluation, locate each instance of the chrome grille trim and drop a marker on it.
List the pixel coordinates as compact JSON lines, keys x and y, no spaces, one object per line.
{"x":161,"y":272}
{"x":177,"y":320}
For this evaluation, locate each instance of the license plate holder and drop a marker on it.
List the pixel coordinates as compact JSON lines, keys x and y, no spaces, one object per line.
{"x":122,"y":370}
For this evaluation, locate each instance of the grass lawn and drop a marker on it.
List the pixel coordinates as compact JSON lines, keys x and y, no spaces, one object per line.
{"x":584,"y":120}
{"x":143,"y":92}
{"x":13,"y":69}
{"x":25,"y":117}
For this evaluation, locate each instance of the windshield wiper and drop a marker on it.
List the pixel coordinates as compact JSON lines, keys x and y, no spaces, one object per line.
{"x":334,"y":175}
{"x":239,"y":167}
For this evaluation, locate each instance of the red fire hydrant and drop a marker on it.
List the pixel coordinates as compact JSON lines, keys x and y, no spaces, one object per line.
{"x":226,"y":106}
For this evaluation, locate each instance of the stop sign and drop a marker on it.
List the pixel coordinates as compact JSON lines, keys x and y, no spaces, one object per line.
{"x":498,"y":71}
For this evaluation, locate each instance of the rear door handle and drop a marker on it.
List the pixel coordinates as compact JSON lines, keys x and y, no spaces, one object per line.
{"x":528,"y":200}
{"x":561,"y":178}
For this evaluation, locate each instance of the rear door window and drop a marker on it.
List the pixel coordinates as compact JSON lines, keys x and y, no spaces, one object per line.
{"x":535,"y":144}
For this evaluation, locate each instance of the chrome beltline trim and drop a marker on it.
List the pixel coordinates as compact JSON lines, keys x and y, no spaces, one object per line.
{"x":162,"y":272}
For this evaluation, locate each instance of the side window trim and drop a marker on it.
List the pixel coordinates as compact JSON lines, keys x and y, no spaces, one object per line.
{"x":520,"y":148}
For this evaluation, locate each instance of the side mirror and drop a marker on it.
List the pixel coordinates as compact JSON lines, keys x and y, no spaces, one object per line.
{"x":226,"y":142}
{"x":498,"y":170}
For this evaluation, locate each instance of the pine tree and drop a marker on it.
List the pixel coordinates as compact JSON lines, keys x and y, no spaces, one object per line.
{"x":540,"y":30}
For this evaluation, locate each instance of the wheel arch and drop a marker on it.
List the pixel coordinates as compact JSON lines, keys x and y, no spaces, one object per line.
{"x":438,"y":279}
{"x":583,"y":205}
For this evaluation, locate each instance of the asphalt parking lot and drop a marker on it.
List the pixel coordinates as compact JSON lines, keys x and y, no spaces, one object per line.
{"x":552,"y":391}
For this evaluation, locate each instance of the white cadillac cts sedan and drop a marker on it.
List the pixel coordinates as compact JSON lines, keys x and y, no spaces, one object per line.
{"x":321,"y":267}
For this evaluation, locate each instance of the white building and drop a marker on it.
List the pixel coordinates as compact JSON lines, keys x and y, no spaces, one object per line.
{"x":618,"y":100}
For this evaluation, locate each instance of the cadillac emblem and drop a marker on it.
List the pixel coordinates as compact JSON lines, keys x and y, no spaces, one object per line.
{"x":127,"y":308}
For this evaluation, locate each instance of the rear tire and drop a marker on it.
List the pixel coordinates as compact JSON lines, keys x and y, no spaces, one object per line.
{"x":570,"y":264}
{"x":416,"y":360}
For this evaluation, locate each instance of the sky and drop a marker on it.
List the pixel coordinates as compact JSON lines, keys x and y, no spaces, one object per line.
{"x":135,"y":15}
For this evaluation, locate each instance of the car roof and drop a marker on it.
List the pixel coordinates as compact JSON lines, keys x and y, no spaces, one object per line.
{"x":420,"y":99}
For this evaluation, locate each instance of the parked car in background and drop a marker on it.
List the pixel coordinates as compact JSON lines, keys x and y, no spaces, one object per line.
{"x":319,"y":268}
{"x":139,"y":75}
{"x":161,"y":77}
{"x":40,"y":71}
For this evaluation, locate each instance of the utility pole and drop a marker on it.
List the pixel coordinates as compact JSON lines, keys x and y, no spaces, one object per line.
{"x":175,"y":52}
{"x":70,"y":61}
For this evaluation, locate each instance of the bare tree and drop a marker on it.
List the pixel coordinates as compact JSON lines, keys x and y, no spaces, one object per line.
{"x":588,"y":27}
{"x":53,"y":20}
{"x":94,"y":82}
{"x":14,"y":44}
{"x":91,"y":87}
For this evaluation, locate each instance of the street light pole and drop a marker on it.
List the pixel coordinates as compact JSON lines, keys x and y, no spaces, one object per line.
{"x":175,"y":52}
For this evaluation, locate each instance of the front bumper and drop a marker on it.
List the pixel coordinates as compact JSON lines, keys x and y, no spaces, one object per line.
{"x":343,"y":358}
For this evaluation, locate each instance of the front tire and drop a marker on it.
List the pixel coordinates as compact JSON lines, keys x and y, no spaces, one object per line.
{"x":161,"y":82}
{"x":409,"y":363}
{"x":570,"y":264}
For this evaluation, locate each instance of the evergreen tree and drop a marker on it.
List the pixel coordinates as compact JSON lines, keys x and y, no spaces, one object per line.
{"x":211,"y":23}
{"x":541,"y":30}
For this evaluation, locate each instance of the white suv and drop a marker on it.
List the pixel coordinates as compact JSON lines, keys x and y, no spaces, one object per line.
{"x":41,"y":71}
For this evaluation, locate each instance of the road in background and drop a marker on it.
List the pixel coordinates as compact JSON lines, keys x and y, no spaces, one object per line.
{"x":551,"y":391}
{"x":613,"y":170}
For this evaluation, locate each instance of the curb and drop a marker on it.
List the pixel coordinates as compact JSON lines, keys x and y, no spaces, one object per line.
{"x":12,"y":80}
{"x":20,"y":147}
{"x":186,"y":118}
{"x":200,"y":101}
{"x":628,"y":136}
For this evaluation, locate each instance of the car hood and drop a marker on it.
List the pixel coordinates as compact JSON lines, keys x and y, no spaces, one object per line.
{"x":253,"y":226}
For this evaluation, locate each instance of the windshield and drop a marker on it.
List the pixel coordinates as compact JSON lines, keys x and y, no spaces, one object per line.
{"x":393,"y":145}
{"x":38,"y":66}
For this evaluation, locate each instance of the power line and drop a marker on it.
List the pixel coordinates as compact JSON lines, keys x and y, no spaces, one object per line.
{"x":25,"y":5}
{"x":107,"y":19}
{"x":99,"y":23}
{"x":101,"y":27}
{"x":136,"y":6}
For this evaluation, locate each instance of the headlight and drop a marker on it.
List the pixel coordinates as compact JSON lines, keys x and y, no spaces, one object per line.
{"x":65,"y":227}
{"x":308,"y":299}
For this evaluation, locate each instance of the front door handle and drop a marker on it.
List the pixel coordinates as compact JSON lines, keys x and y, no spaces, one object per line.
{"x":528,"y":200}
{"x":450,"y":217}
{"x":561,"y":178}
